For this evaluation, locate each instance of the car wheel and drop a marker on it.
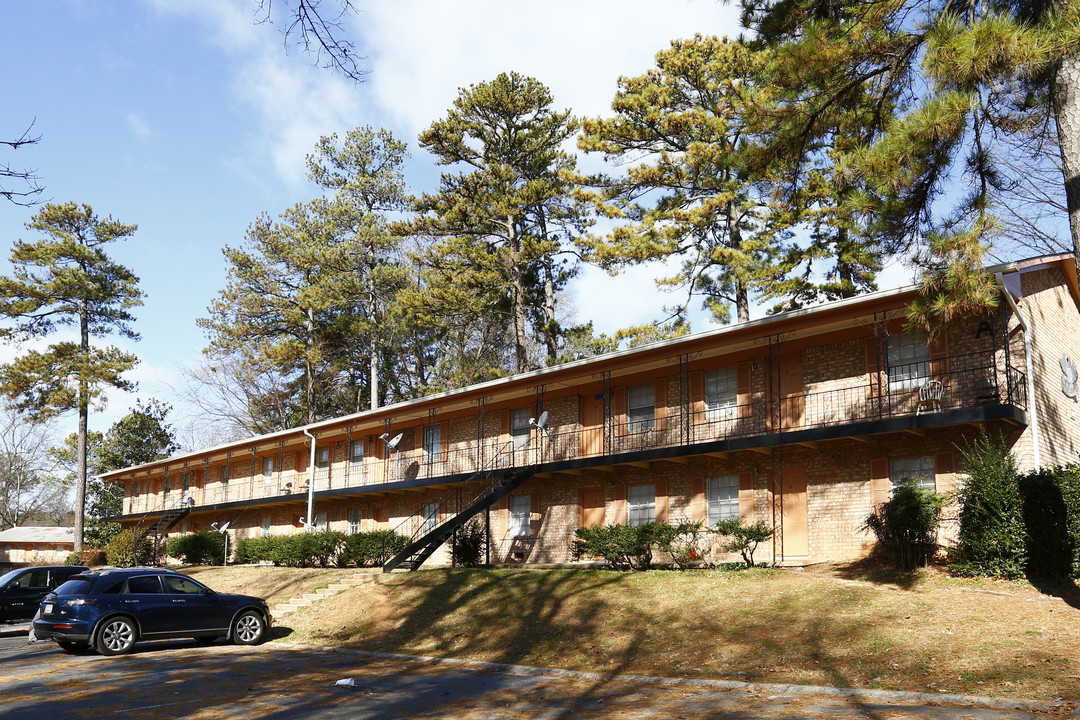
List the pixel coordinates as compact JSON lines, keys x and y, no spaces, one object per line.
{"x":72,"y":646}
{"x":248,"y":628}
{"x":116,"y":636}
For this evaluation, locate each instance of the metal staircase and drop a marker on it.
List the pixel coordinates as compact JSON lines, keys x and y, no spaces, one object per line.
{"x":484,"y":488}
{"x":156,"y":532}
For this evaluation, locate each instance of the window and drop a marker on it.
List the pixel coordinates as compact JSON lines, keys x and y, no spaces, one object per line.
{"x":722,"y":495}
{"x":166,"y":484}
{"x":639,"y":407}
{"x":721,"y":394}
{"x":909,"y":360}
{"x":320,"y":522}
{"x":354,"y":522}
{"x":432,"y":441}
{"x":520,"y":515}
{"x":224,"y":482}
{"x":185,"y":482}
{"x":919,"y":469}
{"x":356,"y":454}
{"x":264,"y":531}
{"x":641,"y":504}
{"x":520,"y":430}
{"x":181,"y":585}
{"x":144,"y":585}
{"x":322,"y":462}
{"x":430,"y":515}
{"x":267,"y":469}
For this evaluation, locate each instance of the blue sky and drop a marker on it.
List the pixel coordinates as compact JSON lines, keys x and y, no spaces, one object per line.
{"x":188,"y":119}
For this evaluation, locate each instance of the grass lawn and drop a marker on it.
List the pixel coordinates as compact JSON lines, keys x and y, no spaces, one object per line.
{"x":829,"y":625}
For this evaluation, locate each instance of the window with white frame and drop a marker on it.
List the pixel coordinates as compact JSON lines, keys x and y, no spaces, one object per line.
{"x":909,"y":360}
{"x":356,"y":455}
{"x":641,"y":504}
{"x":320,"y":522}
{"x":640,"y":401}
{"x":432,"y":442}
{"x":429,"y":512}
{"x":721,"y":394}
{"x":264,"y":530}
{"x":322,"y":462}
{"x":919,"y":469}
{"x":722,"y":496}
{"x":268,"y":469}
{"x":520,"y":430}
{"x":520,"y":515}
{"x":354,"y":522}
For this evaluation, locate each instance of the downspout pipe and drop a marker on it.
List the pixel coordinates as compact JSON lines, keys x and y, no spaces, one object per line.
{"x":1033,"y":405}
{"x":309,"y":521}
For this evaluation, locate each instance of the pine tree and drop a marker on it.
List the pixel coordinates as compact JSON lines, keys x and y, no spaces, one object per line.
{"x":503,"y":223}
{"x":67,"y":279}
{"x":690,"y":190}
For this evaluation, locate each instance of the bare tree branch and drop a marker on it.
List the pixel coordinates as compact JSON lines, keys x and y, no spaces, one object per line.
{"x":305,"y":26}
{"x":27,"y":195}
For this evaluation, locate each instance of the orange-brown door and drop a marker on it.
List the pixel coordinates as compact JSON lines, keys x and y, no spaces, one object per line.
{"x":592,"y":507}
{"x":793,"y":400}
{"x":795,"y":513}
{"x":592,"y":425}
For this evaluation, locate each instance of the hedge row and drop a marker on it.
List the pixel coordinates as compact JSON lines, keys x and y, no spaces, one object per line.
{"x":322,"y":548}
{"x":630,"y":547}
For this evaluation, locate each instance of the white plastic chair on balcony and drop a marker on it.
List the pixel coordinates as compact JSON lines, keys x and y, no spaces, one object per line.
{"x":930,"y":395}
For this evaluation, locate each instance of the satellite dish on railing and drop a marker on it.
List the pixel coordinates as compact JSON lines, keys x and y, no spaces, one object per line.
{"x":540,"y":422}
{"x":392,"y":443}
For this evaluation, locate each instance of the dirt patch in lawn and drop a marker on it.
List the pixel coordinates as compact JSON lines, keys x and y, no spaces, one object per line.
{"x":838,"y":625}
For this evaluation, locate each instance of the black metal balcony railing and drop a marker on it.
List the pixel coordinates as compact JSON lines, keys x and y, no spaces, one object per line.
{"x":967,"y":381}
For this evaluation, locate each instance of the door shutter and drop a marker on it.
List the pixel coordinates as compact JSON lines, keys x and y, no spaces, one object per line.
{"x":939,"y":356}
{"x":504,"y":428}
{"x":502,"y":516}
{"x":746,"y":497}
{"x":534,"y":514}
{"x":872,"y":368}
{"x":619,"y":504}
{"x":697,"y":500}
{"x":661,"y":501}
{"x":619,"y":410}
{"x":418,"y":516}
{"x":742,"y":388}
{"x":660,"y":409}
{"x":880,"y":488}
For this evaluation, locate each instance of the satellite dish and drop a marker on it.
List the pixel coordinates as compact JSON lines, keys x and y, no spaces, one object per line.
{"x":392,"y":443}
{"x":541,"y":422}
{"x":412,"y":471}
{"x":223,"y":528}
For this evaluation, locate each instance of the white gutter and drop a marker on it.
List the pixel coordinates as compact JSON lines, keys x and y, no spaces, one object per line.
{"x":1036,"y":455}
{"x":309,"y":521}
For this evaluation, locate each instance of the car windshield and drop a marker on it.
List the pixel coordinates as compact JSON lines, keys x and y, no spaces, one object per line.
{"x":75,"y":586}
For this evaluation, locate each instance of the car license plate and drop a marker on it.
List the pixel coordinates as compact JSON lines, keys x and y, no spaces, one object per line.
{"x":47,"y":608}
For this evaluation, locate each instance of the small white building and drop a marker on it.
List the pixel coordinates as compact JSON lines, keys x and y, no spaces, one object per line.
{"x":22,"y":546}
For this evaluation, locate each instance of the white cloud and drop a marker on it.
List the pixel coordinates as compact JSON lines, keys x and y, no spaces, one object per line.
{"x":139,"y":126}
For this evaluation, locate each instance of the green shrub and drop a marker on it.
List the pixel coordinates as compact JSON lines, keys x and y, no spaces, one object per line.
{"x":469,"y":544}
{"x":371,"y":549}
{"x":1069,"y":482}
{"x":682,"y":542}
{"x":906,"y":525}
{"x":123,"y":551}
{"x":624,"y":547}
{"x":1050,"y":547}
{"x":205,"y":547}
{"x":992,"y":539}
{"x":251,"y":550}
{"x":744,"y":539}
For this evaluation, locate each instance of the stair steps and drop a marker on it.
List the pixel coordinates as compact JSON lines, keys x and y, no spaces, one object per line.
{"x":311,"y":598}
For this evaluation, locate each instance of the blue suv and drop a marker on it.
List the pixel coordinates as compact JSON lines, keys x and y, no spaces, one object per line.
{"x":114,"y":608}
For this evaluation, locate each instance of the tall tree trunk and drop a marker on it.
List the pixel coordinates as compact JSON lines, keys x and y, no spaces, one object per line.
{"x":551,"y":328}
{"x":742,"y":294}
{"x":309,"y":366}
{"x":84,"y":422}
{"x":1066,"y":99}
{"x":373,"y":345}
{"x":517,"y":274}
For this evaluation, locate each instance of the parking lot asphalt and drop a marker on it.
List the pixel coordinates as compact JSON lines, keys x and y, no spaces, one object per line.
{"x":184,"y":680}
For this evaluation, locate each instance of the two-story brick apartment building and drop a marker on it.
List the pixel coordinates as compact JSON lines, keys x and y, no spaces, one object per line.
{"x":802,"y":420}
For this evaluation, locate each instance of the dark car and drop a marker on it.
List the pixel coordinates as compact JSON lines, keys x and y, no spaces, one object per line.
{"x":112,"y":609}
{"x":21,"y":590}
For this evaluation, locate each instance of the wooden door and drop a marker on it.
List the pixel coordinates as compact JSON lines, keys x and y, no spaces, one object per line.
{"x":796,"y":522}
{"x":792,"y":397}
{"x":592,"y":425}
{"x":592,"y":507}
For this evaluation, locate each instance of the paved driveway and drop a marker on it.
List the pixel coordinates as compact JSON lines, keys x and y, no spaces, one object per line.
{"x":183,"y":680}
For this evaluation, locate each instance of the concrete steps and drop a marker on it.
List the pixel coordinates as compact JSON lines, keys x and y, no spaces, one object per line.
{"x":310,"y":598}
